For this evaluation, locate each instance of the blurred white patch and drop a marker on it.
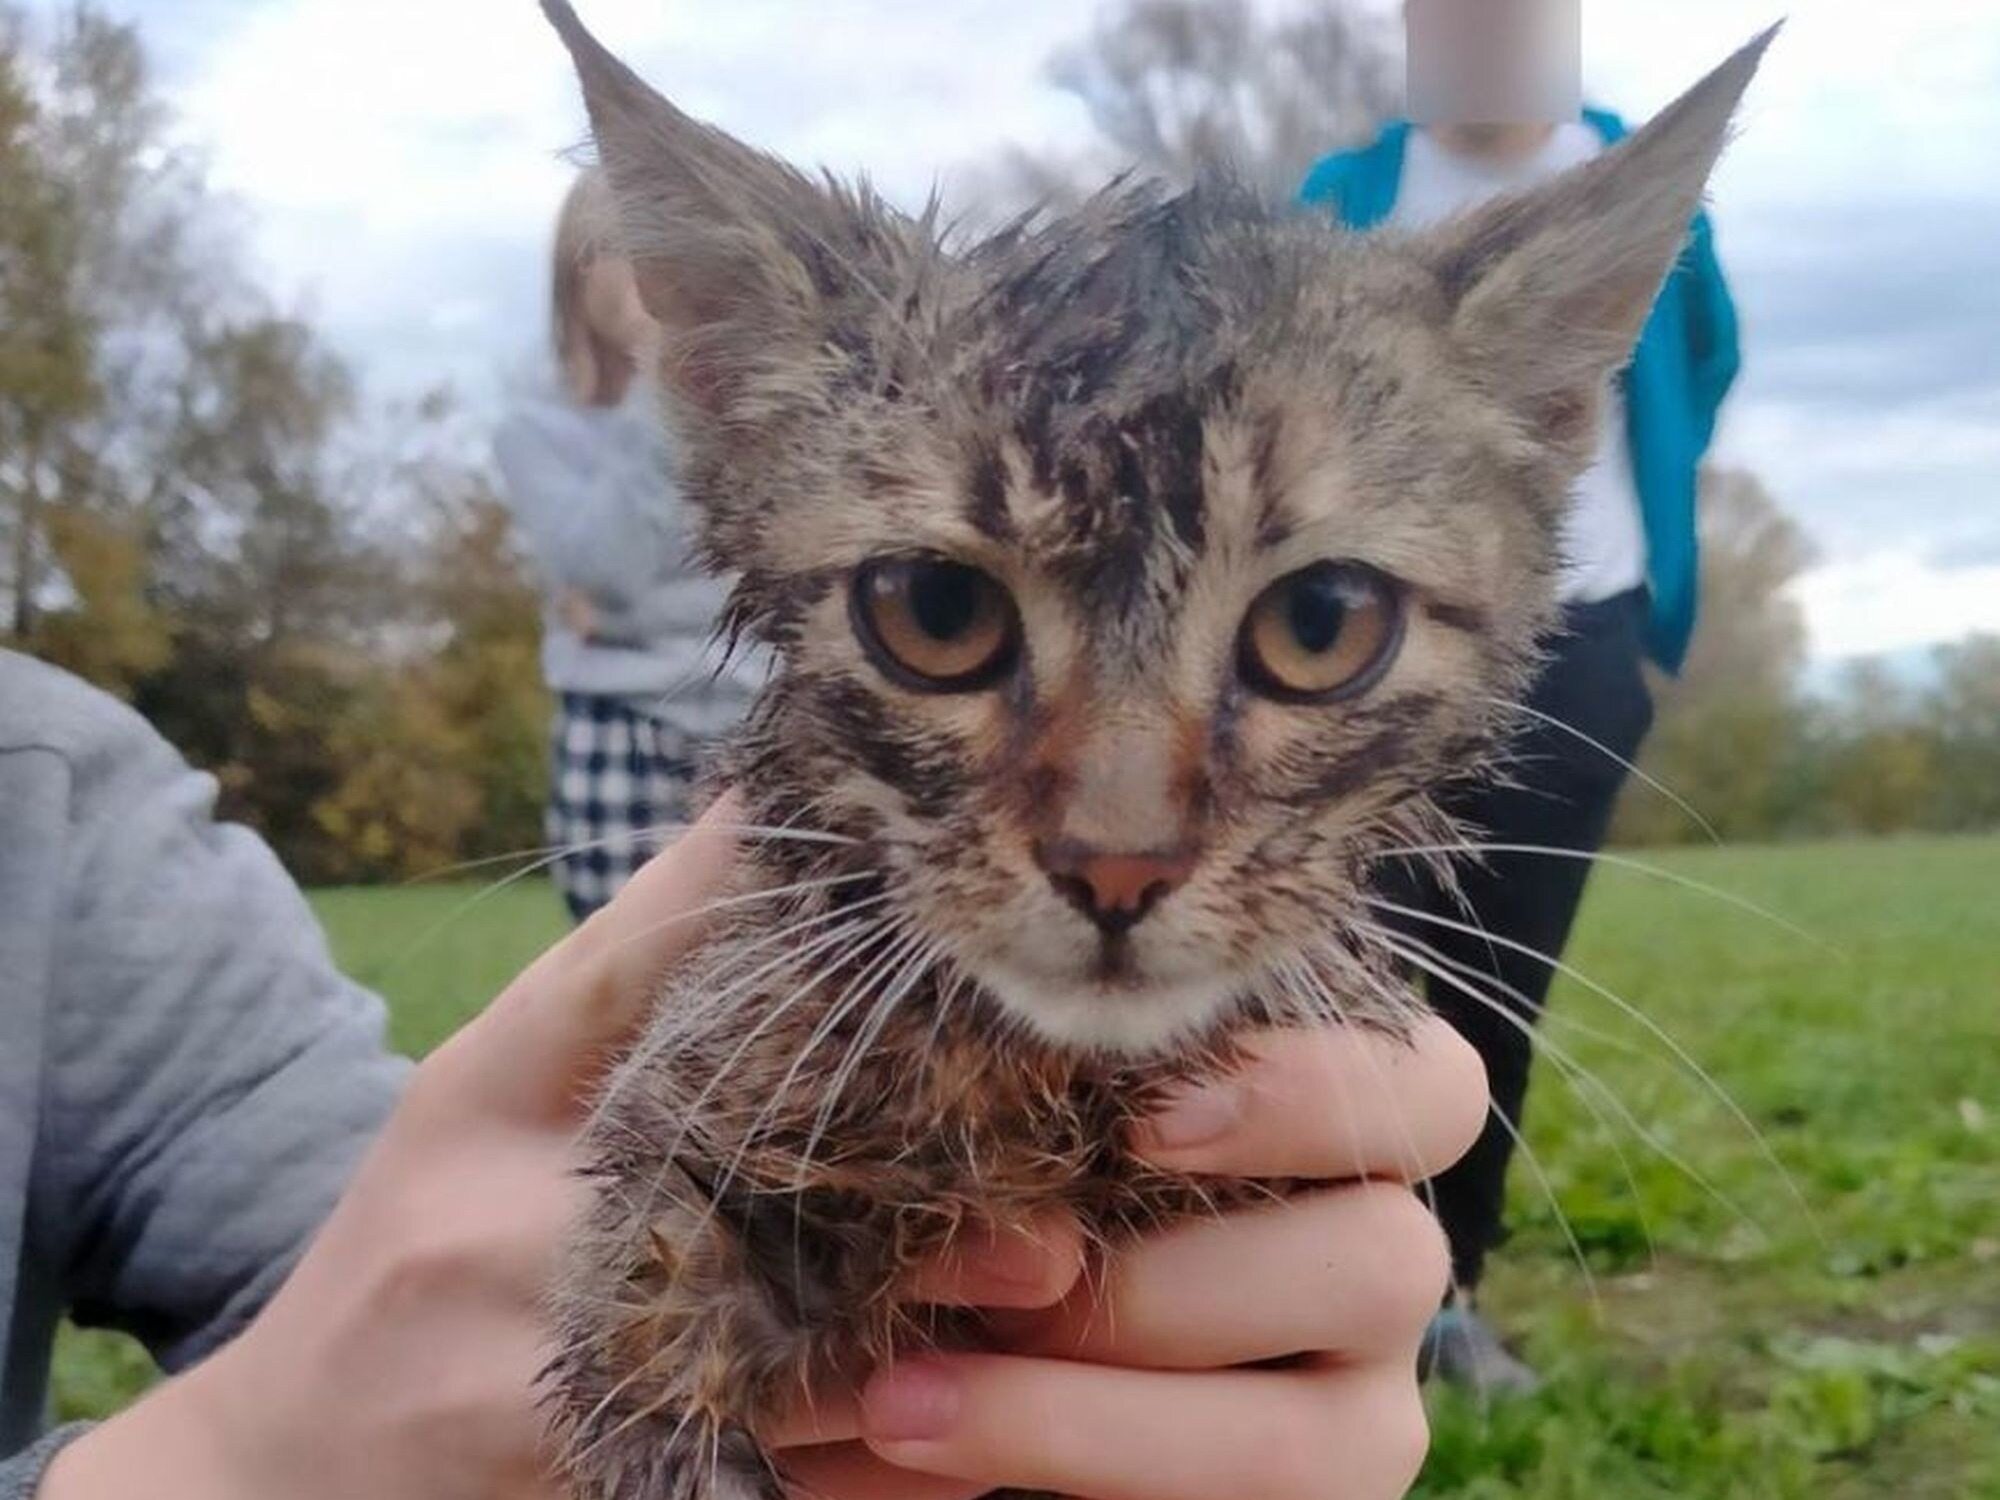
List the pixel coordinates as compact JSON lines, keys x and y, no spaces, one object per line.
{"x":1495,"y":62}
{"x":1892,"y":600}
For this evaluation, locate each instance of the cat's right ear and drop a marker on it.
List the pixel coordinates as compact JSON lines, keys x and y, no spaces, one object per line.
{"x":722,"y":237}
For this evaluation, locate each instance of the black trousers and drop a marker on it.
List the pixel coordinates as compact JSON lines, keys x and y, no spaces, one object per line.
{"x":1562,"y":799}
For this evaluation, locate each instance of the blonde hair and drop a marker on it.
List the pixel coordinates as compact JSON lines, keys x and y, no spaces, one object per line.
{"x":594,"y":367}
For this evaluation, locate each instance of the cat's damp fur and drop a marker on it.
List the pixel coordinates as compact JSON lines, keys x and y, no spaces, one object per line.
{"x":1135,"y":417}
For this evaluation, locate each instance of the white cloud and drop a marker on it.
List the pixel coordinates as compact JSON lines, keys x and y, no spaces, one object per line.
{"x":1891,"y":601}
{"x":1937,"y":463}
{"x":408,"y":116}
{"x":397,"y":156}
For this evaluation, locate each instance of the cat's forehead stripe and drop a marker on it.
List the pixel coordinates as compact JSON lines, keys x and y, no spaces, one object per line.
{"x":986,"y":495}
{"x":1266,"y":431}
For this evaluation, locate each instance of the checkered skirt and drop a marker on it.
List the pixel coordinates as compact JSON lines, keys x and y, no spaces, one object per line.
{"x":617,"y":775}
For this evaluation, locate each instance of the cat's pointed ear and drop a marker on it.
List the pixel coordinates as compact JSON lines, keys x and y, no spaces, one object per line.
{"x":722,"y":236}
{"x":1548,"y":290}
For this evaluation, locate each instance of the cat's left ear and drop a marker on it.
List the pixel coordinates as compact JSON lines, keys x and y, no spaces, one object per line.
{"x":1547,"y":290}
{"x":738,"y":255}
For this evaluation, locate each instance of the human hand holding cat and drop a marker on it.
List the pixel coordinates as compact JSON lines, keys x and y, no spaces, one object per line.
{"x":400,"y":1358}
{"x":1152,"y":1378}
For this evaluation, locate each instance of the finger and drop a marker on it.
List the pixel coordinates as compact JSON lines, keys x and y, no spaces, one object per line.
{"x":1355,"y":1270}
{"x":1116,"y":1434}
{"x":656,"y":915}
{"x":538,"y":1048}
{"x":1030,"y":1265}
{"x":1333,"y":1103}
{"x":822,"y":1420}
{"x":848,"y":1471}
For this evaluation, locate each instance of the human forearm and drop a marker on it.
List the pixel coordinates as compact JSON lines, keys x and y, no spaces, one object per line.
{"x":212,"y":1078}
{"x":168,"y":1446}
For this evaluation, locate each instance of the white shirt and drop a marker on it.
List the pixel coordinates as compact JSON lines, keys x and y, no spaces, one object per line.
{"x":1604,"y":540}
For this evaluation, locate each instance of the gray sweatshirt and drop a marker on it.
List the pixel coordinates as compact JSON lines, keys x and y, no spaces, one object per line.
{"x":593,"y":492}
{"x":186,"y":1082}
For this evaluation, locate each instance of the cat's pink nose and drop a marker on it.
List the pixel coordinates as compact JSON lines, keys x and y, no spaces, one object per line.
{"x":1114,"y":890}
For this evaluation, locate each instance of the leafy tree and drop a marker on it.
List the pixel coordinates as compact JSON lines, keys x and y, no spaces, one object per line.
{"x":449,"y":762}
{"x":1963,"y":715}
{"x":314,"y":600}
{"x":46,"y":375}
{"x":111,"y":631}
{"x":1726,"y":736}
{"x":1878,"y":766}
{"x":488,"y":677}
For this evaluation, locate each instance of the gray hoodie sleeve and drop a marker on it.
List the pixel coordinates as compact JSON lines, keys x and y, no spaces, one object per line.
{"x":21,"y":1476}
{"x":207,"y":1079}
{"x":593,"y":493}
{"x":214,"y":1077}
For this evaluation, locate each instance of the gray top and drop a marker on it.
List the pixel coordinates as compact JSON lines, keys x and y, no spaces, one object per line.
{"x":593,"y":491}
{"x":186,"y":1082}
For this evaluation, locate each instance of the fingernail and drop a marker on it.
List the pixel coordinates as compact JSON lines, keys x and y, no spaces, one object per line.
{"x":1195,"y":1117}
{"x":1007,"y":1260}
{"x":910,"y":1402}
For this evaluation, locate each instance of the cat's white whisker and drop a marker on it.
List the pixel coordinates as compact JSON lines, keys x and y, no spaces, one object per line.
{"x":1576,"y":1074}
{"x":856,"y":945}
{"x":731,"y":903}
{"x":911,"y":949}
{"x":871,"y":931}
{"x":551,"y":854}
{"x":851,"y":931}
{"x":669,"y":1030}
{"x":626,"y":838}
{"x":912,"y":973}
{"x":1425,"y":1189}
{"x":1659,"y":1032}
{"x":899,"y":939}
{"x":1572,"y":1071}
{"x":1513,"y":706}
{"x":849,"y":1003}
{"x":904,"y":940}
{"x":1547,"y":1186}
{"x":1624,"y":862}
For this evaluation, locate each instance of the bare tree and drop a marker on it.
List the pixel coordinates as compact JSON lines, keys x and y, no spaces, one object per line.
{"x":1175,"y":88}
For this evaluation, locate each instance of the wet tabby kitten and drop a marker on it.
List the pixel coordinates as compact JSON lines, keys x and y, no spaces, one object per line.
{"x":1136,"y":580}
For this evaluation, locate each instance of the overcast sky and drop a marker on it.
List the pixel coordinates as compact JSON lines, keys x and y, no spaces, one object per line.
{"x":398,"y":161}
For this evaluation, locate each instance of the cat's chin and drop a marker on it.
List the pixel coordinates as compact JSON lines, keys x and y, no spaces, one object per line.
{"x":1128,"y":1017}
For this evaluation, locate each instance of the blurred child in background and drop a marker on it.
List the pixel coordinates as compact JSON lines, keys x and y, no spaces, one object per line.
{"x":628,"y":627}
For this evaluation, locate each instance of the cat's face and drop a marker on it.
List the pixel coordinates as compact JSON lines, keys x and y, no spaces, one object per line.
{"x":1138,"y":579}
{"x":1131,"y":653}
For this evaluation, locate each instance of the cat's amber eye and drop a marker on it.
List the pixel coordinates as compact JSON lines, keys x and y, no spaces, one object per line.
{"x":935,"y":625}
{"x":1322,"y":633}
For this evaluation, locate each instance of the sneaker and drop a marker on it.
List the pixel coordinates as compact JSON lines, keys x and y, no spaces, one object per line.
{"x":1461,"y":1349}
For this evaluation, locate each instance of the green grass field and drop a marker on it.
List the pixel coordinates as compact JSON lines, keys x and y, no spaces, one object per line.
{"x":1703,"y":1348}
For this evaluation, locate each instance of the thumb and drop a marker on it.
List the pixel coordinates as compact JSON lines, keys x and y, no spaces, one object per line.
{"x":537,"y":1049}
